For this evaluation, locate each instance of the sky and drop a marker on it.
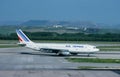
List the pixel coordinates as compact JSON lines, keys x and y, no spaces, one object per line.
{"x":98,"y":11}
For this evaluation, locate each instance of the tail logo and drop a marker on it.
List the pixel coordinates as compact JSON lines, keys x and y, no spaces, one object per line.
{"x":22,"y":37}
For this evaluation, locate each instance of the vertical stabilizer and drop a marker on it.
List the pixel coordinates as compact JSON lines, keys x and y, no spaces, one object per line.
{"x":23,"y":39}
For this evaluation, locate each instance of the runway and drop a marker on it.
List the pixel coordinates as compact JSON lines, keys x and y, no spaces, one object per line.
{"x":24,"y":62}
{"x":59,"y":73}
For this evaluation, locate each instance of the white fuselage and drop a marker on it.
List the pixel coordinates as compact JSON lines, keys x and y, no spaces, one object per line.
{"x":73,"y":48}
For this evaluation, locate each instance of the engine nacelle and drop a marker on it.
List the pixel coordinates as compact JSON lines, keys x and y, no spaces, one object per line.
{"x":63,"y":53}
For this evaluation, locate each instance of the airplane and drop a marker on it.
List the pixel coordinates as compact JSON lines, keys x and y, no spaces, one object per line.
{"x":57,"y":48}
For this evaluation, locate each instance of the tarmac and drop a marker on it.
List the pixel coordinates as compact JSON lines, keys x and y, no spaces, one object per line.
{"x":23,"y":62}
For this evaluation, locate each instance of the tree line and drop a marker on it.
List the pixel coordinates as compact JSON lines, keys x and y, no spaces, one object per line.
{"x":64,"y":36}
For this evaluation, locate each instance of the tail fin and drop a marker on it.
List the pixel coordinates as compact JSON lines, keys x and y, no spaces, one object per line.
{"x":23,"y":39}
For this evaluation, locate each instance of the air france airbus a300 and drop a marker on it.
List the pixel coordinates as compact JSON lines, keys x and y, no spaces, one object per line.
{"x":59,"y":49}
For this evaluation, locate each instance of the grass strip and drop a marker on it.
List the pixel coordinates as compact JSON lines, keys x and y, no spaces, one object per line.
{"x":8,"y":46}
{"x":56,"y":41}
{"x":108,"y":47}
{"x":93,"y":60}
{"x":87,"y":67}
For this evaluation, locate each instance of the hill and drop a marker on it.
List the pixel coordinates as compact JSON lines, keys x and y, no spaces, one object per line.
{"x":58,"y":26}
